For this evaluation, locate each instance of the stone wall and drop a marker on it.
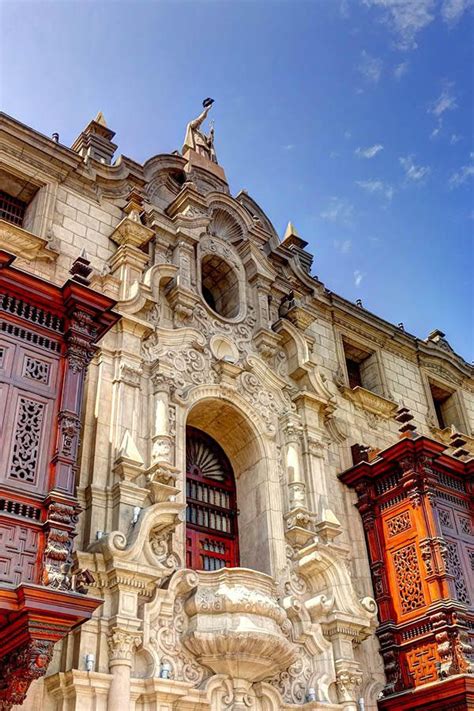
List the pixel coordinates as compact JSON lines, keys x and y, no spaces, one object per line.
{"x":270,"y":386}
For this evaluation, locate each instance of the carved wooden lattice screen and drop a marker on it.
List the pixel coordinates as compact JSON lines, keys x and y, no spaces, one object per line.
{"x":211,"y":515}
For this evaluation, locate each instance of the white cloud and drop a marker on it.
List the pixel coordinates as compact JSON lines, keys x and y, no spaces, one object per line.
{"x":289,"y":147}
{"x":406,"y":18}
{"x":437,"y":130}
{"x":455,"y":138}
{"x":446,"y":101}
{"x":463,"y":174}
{"x":344,"y":9}
{"x":368,"y":152}
{"x":338,"y":210}
{"x":344,"y":247}
{"x":370,"y":67}
{"x":347,"y":135}
{"x":376,"y":186}
{"x":453,"y":10}
{"x":400,"y":70}
{"x":358,"y":276}
{"x":414,"y":172}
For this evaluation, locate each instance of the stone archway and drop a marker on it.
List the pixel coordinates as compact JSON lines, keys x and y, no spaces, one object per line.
{"x":257,"y":479}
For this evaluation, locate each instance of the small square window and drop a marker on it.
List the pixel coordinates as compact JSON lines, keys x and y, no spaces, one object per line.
{"x":362,"y":367}
{"x":445,"y":406}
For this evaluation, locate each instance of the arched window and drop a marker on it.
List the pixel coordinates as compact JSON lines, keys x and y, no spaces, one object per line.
{"x":211,"y":514}
{"x":220,"y":286}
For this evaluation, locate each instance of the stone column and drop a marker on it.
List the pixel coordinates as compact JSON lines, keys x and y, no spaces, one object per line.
{"x":161,"y":438}
{"x":162,"y":473}
{"x":296,"y":484}
{"x":121,"y":645}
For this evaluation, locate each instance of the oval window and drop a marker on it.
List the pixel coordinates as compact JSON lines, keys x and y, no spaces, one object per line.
{"x":220,"y":286}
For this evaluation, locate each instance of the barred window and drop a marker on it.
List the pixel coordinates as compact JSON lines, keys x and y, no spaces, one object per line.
{"x":12,"y":209}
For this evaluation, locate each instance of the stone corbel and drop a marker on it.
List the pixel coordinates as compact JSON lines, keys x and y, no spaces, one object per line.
{"x":182,"y":301}
{"x":268,"y":343}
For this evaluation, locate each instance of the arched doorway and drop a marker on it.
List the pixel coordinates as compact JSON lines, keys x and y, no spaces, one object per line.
{"x":211,"y":515}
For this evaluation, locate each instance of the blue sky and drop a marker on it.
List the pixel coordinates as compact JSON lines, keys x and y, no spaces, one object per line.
{"x":353,"y":119}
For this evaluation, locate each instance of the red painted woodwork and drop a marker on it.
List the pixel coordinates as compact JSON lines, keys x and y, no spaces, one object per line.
{"x":211,"y":515}
{"x":416,"y":505}
{"x":47,"y":338}
{"x":32,"y":620}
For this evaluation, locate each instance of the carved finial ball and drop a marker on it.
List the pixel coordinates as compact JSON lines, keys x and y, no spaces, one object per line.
{"x":207,"y":102}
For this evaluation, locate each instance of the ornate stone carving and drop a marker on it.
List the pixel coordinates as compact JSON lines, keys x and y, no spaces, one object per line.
{"x":250,"y":642}
{"x":131,"y":374}
{"x":348,"y":682}
{"x":121,"y":644}
{"x":294,"y":682}
{"x":370,"y":402}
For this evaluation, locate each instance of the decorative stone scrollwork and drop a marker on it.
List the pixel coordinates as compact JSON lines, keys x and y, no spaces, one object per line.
{"x":168,"y":647}
{"x":161,"y":545}
{"x":294,"y":682}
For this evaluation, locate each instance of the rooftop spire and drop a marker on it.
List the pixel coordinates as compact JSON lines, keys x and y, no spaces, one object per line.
{"x":100,"y":118}
{"x":95,"y":141}
{"x":291,"y":231}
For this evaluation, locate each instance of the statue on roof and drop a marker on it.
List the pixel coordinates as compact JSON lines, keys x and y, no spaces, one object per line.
{"x":196,"y":139}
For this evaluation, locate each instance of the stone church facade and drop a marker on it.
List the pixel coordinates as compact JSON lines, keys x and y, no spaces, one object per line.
{"x":219,"y":414}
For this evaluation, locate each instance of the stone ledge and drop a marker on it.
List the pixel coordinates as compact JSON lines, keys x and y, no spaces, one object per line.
{"x":25,"y":244}
{"x":370,"y":401}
